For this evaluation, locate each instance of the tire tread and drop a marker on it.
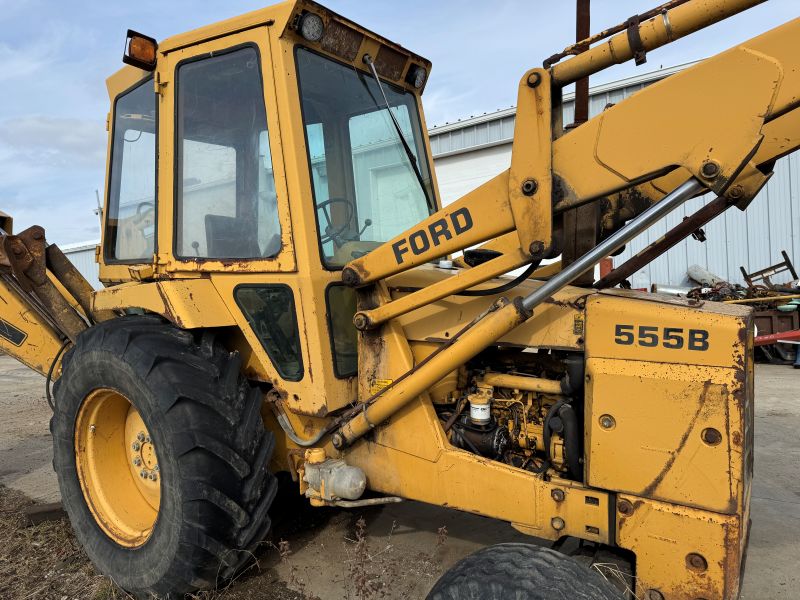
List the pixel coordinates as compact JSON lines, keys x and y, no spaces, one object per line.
{"x":519,"y":571}
{"x":213,"y":415}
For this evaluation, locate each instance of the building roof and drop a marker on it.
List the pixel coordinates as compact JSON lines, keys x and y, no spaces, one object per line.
{"x":79,"y":246}
{"x":497,"y":128}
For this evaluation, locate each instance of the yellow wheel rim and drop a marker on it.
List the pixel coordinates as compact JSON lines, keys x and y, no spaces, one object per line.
{"x":117,"y":467}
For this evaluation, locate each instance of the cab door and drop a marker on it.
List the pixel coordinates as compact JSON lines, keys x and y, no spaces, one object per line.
{"x":221,"y":158}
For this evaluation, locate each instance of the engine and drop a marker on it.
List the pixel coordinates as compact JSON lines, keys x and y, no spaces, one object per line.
{"x":521,"y":408}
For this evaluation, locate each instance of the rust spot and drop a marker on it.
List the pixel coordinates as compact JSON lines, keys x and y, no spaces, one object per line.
{"x":169,"y":313}
{"x":696,"y":562}
{"x":625,"y":508}
{"x":390,"y":63}
{"x":576,"y":304}
{"x":736,"y":438}
{"x":341,"y":40}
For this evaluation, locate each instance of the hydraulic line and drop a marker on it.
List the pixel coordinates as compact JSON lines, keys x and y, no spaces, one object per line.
{"x":666,"y":27}
{"x":500,"y":289}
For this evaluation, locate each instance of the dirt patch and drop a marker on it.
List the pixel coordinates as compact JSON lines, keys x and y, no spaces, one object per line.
{"x":45,"y":561}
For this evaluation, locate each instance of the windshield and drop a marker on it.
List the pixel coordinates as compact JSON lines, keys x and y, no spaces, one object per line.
{"x":365,"y":188}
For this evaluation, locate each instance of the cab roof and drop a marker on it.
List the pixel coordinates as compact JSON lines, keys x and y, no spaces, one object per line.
{"x":279,"y":15}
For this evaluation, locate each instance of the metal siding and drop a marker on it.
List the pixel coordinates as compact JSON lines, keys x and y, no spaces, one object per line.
{"x":696,"y":252}
{"x":753,"y":239}
{"x":794,"y":187}
{"x":83,"y":259}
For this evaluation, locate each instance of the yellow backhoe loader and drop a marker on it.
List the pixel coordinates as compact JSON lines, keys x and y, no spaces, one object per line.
{"x":284,"y":292}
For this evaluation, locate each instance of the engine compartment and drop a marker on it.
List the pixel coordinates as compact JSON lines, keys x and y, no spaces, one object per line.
{"x":519,"y":407}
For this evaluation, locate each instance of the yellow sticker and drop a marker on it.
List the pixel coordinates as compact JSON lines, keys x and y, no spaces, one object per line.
{"x":379,"y":384}
{"x":577,"y":326}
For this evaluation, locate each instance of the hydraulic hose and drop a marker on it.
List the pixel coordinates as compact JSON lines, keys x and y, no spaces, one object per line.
{"x":572,"y":441}
{"x":506,"y":286}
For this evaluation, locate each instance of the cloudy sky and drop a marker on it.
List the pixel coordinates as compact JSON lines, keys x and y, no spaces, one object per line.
{"x":55,"y":56}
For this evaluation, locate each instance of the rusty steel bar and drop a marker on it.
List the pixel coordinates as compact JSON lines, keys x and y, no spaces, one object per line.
{"x":75,"y":283}
{"x":655,"y":32}
{"x":674,"y":236}
{"x":582,"y":31}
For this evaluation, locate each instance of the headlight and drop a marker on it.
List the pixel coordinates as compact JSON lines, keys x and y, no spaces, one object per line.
{"x":417,"y":76}
{"x":311,"y":27}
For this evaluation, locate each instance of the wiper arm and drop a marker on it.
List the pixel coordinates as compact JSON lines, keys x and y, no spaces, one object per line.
{"x":412,"y":159}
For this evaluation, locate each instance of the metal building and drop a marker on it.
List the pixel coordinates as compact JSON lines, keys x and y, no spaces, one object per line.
{"x":472,"y":151}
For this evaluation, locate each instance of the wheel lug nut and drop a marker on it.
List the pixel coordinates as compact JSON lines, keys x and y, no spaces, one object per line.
{"x":137,"y":462}
{"x":140,"y":436}
{"x":142,"y":474}
{"x":147,"y":440}
{"x":153,"y":476}
{"x":155,"y":468}
{"x":136,"y":446}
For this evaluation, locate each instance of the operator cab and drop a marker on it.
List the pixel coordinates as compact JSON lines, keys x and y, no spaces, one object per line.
{"x":209,"y":180}
{"x":261,"y":155}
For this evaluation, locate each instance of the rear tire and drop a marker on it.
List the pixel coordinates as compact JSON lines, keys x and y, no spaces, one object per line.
{"x":521,"y":572}
{"x":212,"y":454}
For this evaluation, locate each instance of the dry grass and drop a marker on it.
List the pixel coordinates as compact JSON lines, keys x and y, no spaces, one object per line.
{"x":383,"y":573}
{"x":44,"y":561}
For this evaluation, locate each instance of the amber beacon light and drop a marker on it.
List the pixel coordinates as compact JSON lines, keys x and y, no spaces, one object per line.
{"x":140,"y":51}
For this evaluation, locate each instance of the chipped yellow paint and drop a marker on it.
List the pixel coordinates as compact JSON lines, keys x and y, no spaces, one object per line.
{"x":667,"y":534}
{"x":188,"y":303}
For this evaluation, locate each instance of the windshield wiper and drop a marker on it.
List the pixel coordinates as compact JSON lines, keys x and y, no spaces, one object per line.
{"x":412,"y":159}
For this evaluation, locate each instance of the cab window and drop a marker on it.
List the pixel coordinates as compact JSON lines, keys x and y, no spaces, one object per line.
{"x":226,"y":206}
{"x":365,"y":187}
{"x":130,"y":219}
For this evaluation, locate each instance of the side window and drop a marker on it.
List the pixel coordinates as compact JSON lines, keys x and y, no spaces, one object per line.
{"x":130,"y":222}
{"x":271,"y":313}
{"x":344,"y":337}
{"x":226,"y":206}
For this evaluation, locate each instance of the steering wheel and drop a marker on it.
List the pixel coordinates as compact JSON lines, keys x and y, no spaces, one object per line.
{"x":331,"y":233}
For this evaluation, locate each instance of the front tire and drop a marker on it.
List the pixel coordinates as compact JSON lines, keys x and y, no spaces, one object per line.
{"x":161,"y":456}
{"x":521,"y":572}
